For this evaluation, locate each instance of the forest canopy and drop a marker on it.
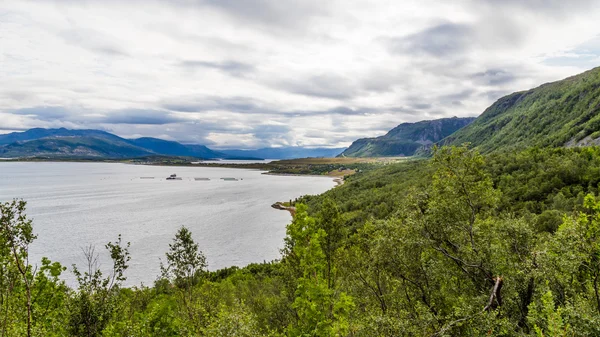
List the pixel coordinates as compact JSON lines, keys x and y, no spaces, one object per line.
{"x":461,"y":244}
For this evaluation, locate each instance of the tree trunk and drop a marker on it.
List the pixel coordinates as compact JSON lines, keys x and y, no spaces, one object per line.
{"x":495,"y":298}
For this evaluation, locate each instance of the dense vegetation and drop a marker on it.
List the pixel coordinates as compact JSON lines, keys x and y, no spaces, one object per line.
{"x":406,"y":138}
{"x":556,"y":114}
{"x":505,"y":245}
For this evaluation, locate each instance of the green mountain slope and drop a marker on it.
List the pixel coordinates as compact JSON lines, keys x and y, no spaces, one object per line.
{"x":406,"y":138}
{"x":563,"y":113}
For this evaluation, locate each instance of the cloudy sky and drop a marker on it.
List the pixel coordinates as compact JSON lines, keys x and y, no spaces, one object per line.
{"x":255,"y":73}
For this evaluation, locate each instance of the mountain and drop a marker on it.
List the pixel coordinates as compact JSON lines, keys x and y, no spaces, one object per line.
{"x":73,"y":146}
{"x":285,"y":152}
{"x":562,"y":113}
{"x":39,"y":133}
{"x":65,"y":143}
{"x":171,"y":148}
{"x":406,"y":138}
{"x":93,"y":144}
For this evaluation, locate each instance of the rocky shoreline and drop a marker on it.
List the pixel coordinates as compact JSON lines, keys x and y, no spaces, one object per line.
{"x":280,"y":206}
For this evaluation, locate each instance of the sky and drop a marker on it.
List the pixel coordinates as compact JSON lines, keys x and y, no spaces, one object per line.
{"x":271,"y":73}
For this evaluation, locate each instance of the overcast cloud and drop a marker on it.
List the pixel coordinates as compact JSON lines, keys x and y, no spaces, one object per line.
{"x":255,"y":73}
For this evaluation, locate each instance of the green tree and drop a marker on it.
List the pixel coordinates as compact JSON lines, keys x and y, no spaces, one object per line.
{"x":96,"y":301}
{"x":31,"y":298}
{"x":329,"y":219}
{"x":570,"y":264}
{"x":321,"y":312}
{"x":185,"y":262}
{"x":234,"y":321}
{"x":185,"y":265}
{"x":17,"y":235}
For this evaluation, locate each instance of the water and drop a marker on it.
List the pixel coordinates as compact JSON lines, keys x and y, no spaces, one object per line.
{"x":74,"y":205}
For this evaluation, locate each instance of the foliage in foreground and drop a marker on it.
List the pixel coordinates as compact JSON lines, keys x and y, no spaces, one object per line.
{"x":504,"y":245}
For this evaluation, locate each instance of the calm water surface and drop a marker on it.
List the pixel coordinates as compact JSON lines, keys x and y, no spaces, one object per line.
{"x":74,"y":205}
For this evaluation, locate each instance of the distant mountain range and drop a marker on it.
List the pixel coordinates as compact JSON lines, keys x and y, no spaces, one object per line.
{"x":562,"y":113}
{"x":285,"y":152}
{"x":97,"y":144}
{"x":406,"y":138}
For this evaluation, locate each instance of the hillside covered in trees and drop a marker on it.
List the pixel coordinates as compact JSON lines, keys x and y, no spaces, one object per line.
{"x":462,"y":244}
{"x":562,"y":113}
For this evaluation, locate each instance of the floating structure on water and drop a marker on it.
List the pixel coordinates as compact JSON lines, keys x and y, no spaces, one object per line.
{"x":146,"y":177}
{"x":229,"y":179}
{"x":201,"y":179}
{"x":173,"y":177}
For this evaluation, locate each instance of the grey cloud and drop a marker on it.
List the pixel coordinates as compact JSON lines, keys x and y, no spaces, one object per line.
{"x":494,"y":77}
{"x":457,"y":96}
{"x":93,"y":40}
{"x":341,"y":87}
{"x":211,"y":103}
{"x":420,"y":106}
{"x":17,"y":95}
{"x":443,"y":40}
{"x":555,"y":8}
{"x":270,"y":132}
{"x":337,"y":111}
{"x":45,"y":113}
{"x":447,"y":48}
{"x":281,"y":13}
{"x":324,"y":86}
{"x":405,"y":110}
{"x":382,"y":79}
{"x":315,"y":134}
{"x":212,"y":42}
{"x":380,"y":82}
{"x":123,"y":116}
{"x":231,"y":67}
{"x":251,"y":106}
{"x":138,"y":116}
{"x":342,"y":110}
